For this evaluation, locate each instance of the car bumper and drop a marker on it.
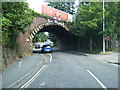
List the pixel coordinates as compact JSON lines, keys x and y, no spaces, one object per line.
{"x":36,"y":51}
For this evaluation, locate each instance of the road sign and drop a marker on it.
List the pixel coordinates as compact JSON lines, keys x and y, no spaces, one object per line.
{"x":107,"y":38}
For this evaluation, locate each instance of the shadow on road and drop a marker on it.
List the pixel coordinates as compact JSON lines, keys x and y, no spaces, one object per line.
{"x":72,"y":52}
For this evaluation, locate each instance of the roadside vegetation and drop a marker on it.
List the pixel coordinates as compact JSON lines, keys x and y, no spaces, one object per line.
{"x":88,"y":24}
{"x":40,"y":37}
{"x":0,"y":26}
{"x":16,"y":16}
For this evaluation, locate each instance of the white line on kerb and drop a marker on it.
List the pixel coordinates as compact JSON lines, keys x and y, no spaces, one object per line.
{"x":32,"y":79}
{"x":50,"y":57}
{"x":103,"y":86}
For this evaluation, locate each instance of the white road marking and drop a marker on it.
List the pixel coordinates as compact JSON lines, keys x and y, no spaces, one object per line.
{"x":33,"y":78}
{"x":50,"y":57}
{"x":18,"y":80}
{"x":21,"y":78}
{"x":101,"y":84}
{"x":20,"y":64}
{"x":44,"y":57}
{"x":28,"y":74}
{"x":42,"y":84}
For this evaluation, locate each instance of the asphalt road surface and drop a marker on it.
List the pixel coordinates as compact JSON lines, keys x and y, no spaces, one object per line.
{"x":61,"y":70}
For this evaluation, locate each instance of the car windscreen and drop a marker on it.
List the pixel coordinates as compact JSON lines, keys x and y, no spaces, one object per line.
{"x":47,"y":47}
{"x":37,"y":46}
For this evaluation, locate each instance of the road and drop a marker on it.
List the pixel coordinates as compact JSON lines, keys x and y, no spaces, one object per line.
{"x":61,"y":70}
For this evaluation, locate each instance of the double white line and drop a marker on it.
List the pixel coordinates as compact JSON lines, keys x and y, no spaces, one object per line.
{"x":34,"y":77}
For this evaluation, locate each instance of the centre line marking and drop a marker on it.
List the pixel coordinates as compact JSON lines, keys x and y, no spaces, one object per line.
{"x":44,"y":57}
{"x":50,"y":57}
{"x":102,"y":85}
{"x":32,"y":79}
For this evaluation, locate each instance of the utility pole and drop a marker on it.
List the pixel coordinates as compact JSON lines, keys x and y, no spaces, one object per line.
{"x":76,"y":5}
{"x":103,"y":26}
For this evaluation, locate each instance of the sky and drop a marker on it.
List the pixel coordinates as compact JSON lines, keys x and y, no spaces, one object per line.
{"x":36,"y":4}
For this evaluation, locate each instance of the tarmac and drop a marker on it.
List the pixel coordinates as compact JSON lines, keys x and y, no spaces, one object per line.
{"x":112,"y":57}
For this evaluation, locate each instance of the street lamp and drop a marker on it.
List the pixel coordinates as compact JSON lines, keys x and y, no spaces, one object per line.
{"x":103,"y":26}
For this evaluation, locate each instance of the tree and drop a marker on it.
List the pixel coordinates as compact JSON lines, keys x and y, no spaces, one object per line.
{"x":16,"y":17}
{"x":88,"y":19}
{"x":40,"y":37}
{"x":54,"y":39}
{"x":112,"y":19}
{"x":0,"y":25}
{"x":89,"y":23}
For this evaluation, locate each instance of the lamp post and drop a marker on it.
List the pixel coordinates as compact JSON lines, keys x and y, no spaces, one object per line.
{"x":103,"y":26}
{"x":76,"y":7}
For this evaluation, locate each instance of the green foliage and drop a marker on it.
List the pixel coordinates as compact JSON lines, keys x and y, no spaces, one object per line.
{"x":18,"y":13}
{"x":89,"y":19}
{"x":16,"y":17}
{"x":6,"y":23}
{"x":0,"y":37}
{"x":67,"y":7}
{"x":54,"y":39}
{"x":112,"y":18}
{"x":40,"y":37}
{"x":0,"y":24}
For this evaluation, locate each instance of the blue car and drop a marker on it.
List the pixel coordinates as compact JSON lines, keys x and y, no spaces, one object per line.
{"x":47,"y":49}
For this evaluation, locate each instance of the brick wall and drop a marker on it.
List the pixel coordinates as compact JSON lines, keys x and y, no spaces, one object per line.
{"x":23,"y":40}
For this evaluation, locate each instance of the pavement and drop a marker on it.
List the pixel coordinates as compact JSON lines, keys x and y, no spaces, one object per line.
{"x":112,"y":58}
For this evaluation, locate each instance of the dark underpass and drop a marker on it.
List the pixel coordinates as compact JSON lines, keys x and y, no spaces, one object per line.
{"x":67,"y":41}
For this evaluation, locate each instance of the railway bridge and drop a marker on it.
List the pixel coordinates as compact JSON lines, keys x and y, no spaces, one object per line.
{"x":43,"y":24}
